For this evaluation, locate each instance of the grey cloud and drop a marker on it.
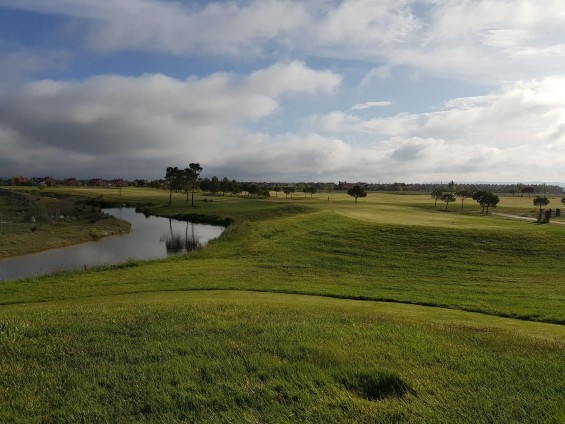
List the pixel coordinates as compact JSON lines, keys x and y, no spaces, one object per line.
{"x":482,"y":40}
{"x":112,"y":124}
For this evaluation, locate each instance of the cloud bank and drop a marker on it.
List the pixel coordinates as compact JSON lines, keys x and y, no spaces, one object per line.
{"x":263,"y":124}
{"x":480,"y":40}
{"x":111,"y":125}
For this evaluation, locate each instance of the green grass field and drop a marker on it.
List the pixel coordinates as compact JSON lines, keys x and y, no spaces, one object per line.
{"x":305,"y":310}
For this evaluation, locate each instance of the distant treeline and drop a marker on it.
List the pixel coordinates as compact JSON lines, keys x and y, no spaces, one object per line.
{"x":518,"y":188}
{"x":226,"y":185}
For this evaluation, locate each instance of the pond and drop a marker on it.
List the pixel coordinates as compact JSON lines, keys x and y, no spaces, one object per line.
{"x":150,"y":238}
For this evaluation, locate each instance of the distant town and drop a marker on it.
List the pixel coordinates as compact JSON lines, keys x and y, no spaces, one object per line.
{"x":226,"y":185}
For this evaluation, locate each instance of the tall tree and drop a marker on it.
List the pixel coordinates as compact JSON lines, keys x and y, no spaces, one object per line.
{"x":357,"y":191}
{"x":477,"y":197}
{"x":174,"y":179}
{"x":436,"y":195}
{"x":215,"y":185}
{"x":464,"y":194}
{"x":225,"y":185}
{"x":205,"y":185}
{"x":191,"y":175}
{"x":235,"y":187}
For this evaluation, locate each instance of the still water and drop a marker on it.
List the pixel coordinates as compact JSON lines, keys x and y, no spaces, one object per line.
{"x":150,"y":238}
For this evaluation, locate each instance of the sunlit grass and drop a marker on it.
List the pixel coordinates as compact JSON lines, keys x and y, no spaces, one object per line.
{"x":236,"y":357}
{"x":282,"y":319}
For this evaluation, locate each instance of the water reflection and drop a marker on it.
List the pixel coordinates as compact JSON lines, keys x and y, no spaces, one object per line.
{"x":151,"y":237}
{"x":180,"y":243}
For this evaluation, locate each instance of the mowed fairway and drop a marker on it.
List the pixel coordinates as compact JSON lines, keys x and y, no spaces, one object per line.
{"x":305,"y":310}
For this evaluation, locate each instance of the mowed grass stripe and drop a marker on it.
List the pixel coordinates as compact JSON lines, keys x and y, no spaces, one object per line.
{"x":422,"y":314}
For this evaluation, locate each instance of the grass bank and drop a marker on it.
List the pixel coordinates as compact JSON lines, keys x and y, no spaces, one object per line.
{"x":47,"y":223}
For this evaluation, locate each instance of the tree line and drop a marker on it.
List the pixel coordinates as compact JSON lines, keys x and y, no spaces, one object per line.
{"x":486,"y":199}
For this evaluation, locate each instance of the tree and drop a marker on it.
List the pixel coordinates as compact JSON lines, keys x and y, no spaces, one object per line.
{"x":528,"y":190}
{"x":73,"y":182}
{"x":205,"y":185}
{"x":276,"y":189}
{"x":225,"y":185}
{"x":563,"y":200}
{"x":235,"y":187}
{"x":289,"y":190}
{"x":464,"y":194}
{"x":436,"y":195}
{"x":253,"y":189}
{"x":477,"y":197}
{"x":486,"y":199}
{"x":214,"y":184}
{"x":311,"y":189}
{"x":357,"y":191}
{"x":191,"y":175}
{"x":174,"y":179}
{"x":447,"y":198}
{"x":541,"y":201}
{"x":451,"y":186}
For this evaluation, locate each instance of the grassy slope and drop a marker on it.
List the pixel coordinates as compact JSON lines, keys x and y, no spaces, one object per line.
{"x":111,"y":352}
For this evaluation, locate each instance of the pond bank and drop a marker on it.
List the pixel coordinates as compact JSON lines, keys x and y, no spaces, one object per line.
{"x":46,"y":223}
{"x":151,"y":237}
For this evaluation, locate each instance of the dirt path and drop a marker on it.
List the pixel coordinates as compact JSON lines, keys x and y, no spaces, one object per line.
{"x":524,"y":218}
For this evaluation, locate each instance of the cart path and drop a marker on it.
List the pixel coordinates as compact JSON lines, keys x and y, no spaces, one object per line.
{"x":523,"y":218}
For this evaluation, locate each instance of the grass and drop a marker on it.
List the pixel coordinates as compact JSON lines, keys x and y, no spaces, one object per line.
{"x":236,"y":357}
{"x":282,"y":320}
{"x":81,"y":223}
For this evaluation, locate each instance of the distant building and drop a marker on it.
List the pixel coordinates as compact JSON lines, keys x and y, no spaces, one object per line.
{"x":20,"y":180}
{"x":344,"y":185}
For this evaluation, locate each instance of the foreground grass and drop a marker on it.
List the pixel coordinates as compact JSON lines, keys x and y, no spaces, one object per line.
{"x":192,"y":338}
{"x":251,"y":357}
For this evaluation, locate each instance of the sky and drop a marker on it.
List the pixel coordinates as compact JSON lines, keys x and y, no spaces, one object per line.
{"x":284,"y":90}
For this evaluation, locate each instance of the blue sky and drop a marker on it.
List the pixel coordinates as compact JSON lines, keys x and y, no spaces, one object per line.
{"x":284,"y":90}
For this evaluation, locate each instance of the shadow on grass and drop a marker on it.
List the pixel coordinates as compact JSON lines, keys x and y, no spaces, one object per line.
{"x":375,"y":384}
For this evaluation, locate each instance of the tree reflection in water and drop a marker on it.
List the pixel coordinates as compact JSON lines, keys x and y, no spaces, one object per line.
{"x":176,"y":243}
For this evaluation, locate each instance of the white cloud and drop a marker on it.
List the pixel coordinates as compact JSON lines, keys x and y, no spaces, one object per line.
{"x":115,"y":123}
{"x":379,"y":73}
{"x":368,"y":105}
{"x":515,"y":132}
{"x":483,"y":40}
{"x":131,"y":124}
{"x":293,"y":77}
